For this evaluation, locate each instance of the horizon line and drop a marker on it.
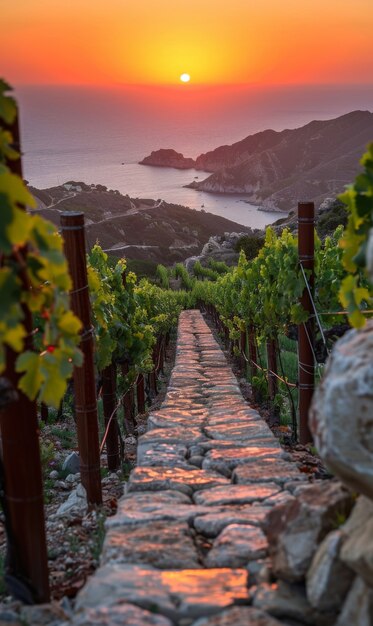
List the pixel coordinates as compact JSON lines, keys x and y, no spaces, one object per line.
{"x":190,"y":86}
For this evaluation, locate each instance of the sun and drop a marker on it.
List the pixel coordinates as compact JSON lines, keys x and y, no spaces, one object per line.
{"x":185,"y":78}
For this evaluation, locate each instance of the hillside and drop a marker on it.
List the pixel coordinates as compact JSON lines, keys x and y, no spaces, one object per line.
{"x":137,"y":228}
{"x":276,"y":169}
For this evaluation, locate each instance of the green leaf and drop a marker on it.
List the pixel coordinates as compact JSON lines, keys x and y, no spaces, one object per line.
{"x":55,"y":370}
{"x":19,"y":228}
{"x":30,"y":382}
{"x":357,"y":319}
{"x":15,"y":188}
{"x":8,"y":107}
{"x":6,"y":217}
{"x":9,"y":289}
{"x":15,"y":336}
{"x":69,"y":323}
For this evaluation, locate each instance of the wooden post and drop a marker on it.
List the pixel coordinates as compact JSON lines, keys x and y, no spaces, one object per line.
{"x":243,"y":350}
{"x":152,"y":377}
{"x":161,"y":354}
{"x":109,"y":401}
{"x":140,"y":392}
{"x":272,"y":367}
{"x":60,"y":411}
{"x":44,"y":413}
{"x":27,"y":564}
{"x":306,"y":332}
{"x":72,"y":227}
{"x":252,"y":351}
{"x":127,"y":403}
{"x":226,"y":337}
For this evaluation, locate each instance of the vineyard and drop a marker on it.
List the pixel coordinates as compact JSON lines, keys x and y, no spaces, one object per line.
{"x":71,"y":319}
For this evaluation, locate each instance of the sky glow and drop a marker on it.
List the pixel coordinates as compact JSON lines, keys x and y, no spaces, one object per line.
{"x":149,"y":42}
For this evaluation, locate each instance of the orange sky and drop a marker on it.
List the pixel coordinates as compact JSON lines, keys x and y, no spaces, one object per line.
{"x":215,"y":41}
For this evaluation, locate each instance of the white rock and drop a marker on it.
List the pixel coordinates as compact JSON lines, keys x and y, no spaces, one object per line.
{"x":76,"y":503}
{"x":72,"y":463}
{"x":71,"y":479}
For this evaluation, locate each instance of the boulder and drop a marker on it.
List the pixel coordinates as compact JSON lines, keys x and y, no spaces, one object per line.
{"x":72,"y":463}
{"x":289,"y":602}
{"x":76,"y":503}
{"x":294,"y":529}
{"x":357,"y":550}
{"x":341,"y":416}
{"x":217,"y":248}
{"x":328,"y":579}
{"x":358,"y":607}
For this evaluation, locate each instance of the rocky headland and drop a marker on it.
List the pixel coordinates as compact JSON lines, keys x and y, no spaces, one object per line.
{"x":168,"y":158}
{"x":277,"y":169}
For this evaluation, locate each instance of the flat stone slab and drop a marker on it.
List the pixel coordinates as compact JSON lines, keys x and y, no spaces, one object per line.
{"x":151,"y":498}
{"x":279,"y":472}
{"x":211,"y":524}
{"x":143,"y":507}
{"x":175,"y":594}
{"x":225,"y":461}
{"x":165,"y":455}
{"x":237,"y":545}
{"x":118,"y":615}
{"x":183,"y":435}
{"x":186,"y":481}
{"x":236,"y":494}
{"x":171,"y":418}
{"x":163,"y":545}
{"x":221,"y":444}
{"x":238,"y":616}
{"x":279,"y":498}
{"x":243,"y":430}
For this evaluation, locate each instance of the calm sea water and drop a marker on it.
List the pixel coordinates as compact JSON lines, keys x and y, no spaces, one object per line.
{"x":99,"y":135}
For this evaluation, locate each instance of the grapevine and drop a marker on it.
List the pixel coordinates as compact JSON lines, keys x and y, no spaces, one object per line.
{"x":356,"y":292}
{"x":36,"y":283}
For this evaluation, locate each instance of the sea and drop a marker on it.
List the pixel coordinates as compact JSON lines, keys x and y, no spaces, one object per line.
{"x":99,"y":134}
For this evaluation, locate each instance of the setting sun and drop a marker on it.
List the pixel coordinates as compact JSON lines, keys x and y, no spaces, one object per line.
{"x":185,"y":78}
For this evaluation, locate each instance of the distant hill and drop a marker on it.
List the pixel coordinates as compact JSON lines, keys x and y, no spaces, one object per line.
{"x":140,"y":229}
{"x":276,"y":169}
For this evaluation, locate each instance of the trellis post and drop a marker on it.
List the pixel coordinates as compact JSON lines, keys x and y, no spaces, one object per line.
{"x":109,"y":401}
{"x":272,"y":368}
{"x":140,"y":392}
{"x":306,"y":331}
{"x":127,"y":403}
{"x":72,"y":227}
{"x":27,"y":563}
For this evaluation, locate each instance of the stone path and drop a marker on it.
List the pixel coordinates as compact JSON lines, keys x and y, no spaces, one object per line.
{"x":186,"y":544}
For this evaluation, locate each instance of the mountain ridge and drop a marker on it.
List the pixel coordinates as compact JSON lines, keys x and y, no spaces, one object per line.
{"x":139,"y":228}
{"x":276,"y":169}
